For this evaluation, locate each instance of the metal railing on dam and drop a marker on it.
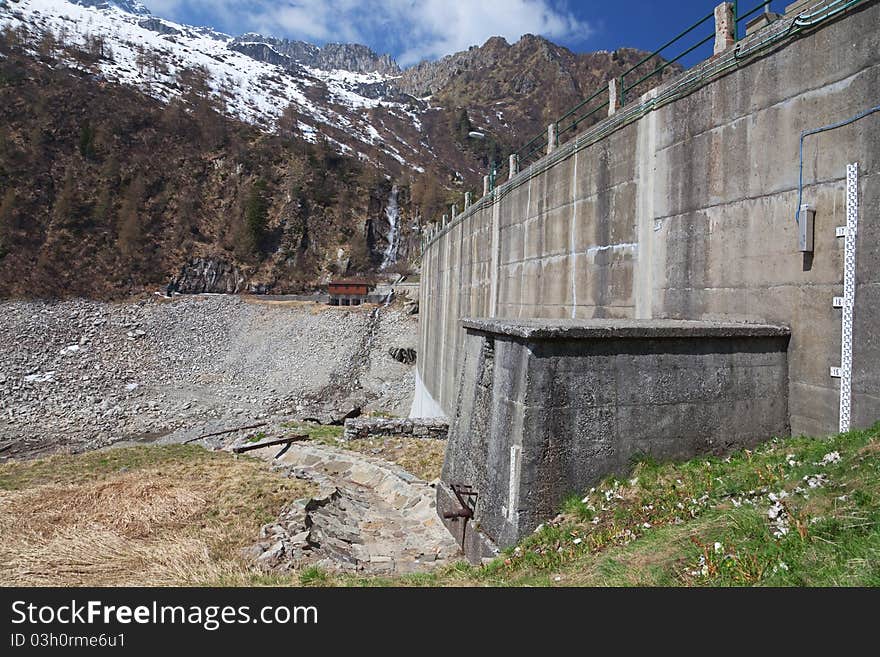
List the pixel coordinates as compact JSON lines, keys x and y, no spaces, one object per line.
{"x":682,"y":205}
{"x":534,"y":153}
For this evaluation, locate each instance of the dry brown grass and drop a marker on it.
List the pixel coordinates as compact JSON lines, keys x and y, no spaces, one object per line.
{"x":155,"y":516}
{"x":870,"y":449}
{"x":422,"y":457}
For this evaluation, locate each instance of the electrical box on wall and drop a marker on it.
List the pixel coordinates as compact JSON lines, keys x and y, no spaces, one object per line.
{"x":806,"y":222}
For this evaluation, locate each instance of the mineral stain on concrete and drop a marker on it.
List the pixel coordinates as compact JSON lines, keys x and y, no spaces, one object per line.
{"x":547,"y":408}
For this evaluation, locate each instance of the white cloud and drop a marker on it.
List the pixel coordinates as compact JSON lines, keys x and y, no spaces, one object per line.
{"x":411,"y":29}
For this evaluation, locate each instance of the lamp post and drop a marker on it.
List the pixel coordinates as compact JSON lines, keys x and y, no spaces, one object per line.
{"x":493,"y":169}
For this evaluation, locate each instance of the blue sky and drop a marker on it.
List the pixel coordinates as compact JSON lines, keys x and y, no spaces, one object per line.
{"x":412,"y":30}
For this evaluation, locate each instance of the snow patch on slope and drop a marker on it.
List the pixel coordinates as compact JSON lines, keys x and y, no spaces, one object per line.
{"x":253,"y":91}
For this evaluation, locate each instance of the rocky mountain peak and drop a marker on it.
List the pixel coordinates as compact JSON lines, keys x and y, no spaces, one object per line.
{"x":128,"y":6}
{"x":495,"y":55}
{"x":352,"y":57}
{"x":496,"y":43}
{"x":357,"y":58}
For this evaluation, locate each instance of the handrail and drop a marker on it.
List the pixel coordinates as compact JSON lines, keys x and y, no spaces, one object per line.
{"x":624,"y":88}
{"x":661,"y":68}
{"x":601,"y":92}
{"x":538,"y":144}
{"x":738,"y":17}
{"x":581,"y":104}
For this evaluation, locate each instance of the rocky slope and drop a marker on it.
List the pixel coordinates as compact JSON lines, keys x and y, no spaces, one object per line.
{"x":360,"y":100}
{"x":104,"y":192}
{"x":127,"y":159}
{"x":78,"y":374}
{"x":517,"y":89}
{"x":332,"y":57}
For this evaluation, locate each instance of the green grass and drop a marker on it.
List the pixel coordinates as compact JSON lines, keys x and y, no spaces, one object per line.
{"x":382,"y":414}
{"x":318,"y":432}
{"x":257,"y":437}
{"x":705,"y":522}
{"x":578,"y":508}
{"x":313,"y":576}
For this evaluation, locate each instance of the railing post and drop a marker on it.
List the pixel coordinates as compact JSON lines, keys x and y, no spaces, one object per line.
{"x":445,"y":220}
{"x":467,"y":200}
{"x":735,"y":20}
{"x":513,"y":165}
{"x":725,"y":27}
{"x":551,"y":138}
{"x":613,"y":94}
{"x":485,"y":185}
{"x":454,"y":211}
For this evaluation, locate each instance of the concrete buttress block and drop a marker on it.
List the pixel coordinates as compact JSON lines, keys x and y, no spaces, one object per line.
{"x":547,"y":408}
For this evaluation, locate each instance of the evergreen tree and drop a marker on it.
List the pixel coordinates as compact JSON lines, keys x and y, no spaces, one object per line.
{"x":7,"y":221}
{"x":87,"y":141}
{"x":130,"y":235}
{"x":65,"y":207}
{"x":256,"y":212}
{"x":251,"y":233}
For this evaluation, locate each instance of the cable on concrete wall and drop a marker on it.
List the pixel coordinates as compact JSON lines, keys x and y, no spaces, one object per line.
{"x":816,"y":131}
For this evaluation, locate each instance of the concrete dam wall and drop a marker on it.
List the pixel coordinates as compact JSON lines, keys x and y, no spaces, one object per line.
{"x":681,"y":206}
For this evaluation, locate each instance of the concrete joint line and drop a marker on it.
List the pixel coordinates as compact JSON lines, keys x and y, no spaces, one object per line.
{"x":744,"y":50}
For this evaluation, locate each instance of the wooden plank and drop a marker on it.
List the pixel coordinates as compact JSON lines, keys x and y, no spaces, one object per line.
{"x":269,"y":443}
{"x":221,"y":433}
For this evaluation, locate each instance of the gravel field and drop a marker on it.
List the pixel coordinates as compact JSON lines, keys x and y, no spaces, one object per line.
{"x":76,"y":375}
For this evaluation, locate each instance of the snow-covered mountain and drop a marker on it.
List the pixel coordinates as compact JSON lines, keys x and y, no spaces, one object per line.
{"x":255,"y":77}
{"x":333,"y":56}
{"x":129,"y":6}
{"x":404,"y":121}
{"x":105,"y":190}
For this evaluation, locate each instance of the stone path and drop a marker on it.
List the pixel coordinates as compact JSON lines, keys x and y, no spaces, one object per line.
{"x":369,"y":516}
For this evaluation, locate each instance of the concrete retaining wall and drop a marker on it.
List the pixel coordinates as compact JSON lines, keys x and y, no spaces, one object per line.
{"x":370,"y":427}
{"x":547,"y":408}
{"x":689,"y":213}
